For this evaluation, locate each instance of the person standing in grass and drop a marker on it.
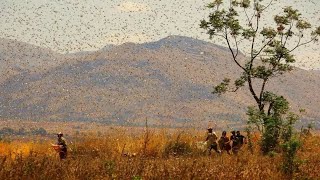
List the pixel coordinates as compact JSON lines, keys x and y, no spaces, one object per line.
{"x":234,"y":140}
{"x":224,"y":142}
{"x":212,"y":141}
{"x":238,"y":141}
{"x":63,"y":146}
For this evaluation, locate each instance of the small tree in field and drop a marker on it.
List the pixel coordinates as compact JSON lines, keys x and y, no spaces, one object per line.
{"x":238,"y":22}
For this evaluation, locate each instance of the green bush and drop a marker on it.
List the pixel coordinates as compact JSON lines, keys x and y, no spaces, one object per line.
{"x":290,"y":161}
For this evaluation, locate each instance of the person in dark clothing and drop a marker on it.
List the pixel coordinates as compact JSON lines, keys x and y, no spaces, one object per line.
{"x":237,"y":144}
{"x":233,"y":138}
{"x":63,"y":146}
{"x":240,"y":138}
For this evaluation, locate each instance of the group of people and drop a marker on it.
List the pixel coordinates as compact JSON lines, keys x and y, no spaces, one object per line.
{"x":234,"y":143}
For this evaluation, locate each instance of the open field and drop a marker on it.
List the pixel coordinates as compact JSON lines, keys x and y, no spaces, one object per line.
{"x":134,"y":153}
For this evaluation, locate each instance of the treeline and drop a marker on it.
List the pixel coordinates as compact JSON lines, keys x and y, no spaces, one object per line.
{"x":22,"y":131}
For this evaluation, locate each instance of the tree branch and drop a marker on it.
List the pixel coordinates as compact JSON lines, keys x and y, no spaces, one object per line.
{"x":261,"y":106}
{"x":285,"y":42}
{"x":267,"y":5}
{"x":251,"y":64}
{"x":233,"y":55}
{"x":270,"y":107}
{"x":249,"y":20}
{"x":263,"y":48}
{"x":252,"y":91}
{"x":252,"y":44}
{"x":236,"y":42}
{"x":298,"y":45}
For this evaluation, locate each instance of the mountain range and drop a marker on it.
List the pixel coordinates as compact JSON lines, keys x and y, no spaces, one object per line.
{"x":169,"y":82}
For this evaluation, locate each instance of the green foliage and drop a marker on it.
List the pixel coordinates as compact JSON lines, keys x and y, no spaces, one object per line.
{"x":240,"y":81}
{"x":290,"y":161}
{"x":301,"y":24}
{"x":278,"y":105}
{"x":270,"y":137}
{"x":215,"y":3}
{"x":288,"y":131}
{"x":256,"y":117}
{"x":222,"y":87}
{"x":261,"y":72}
{"x":316,"y":32}
{"x":268,"y":32}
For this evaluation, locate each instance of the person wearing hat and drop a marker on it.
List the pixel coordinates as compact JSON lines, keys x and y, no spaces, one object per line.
{"x":212,"y":141}
{"x":63,"y":146}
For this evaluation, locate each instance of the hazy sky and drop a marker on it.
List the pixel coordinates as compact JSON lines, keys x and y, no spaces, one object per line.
{"x":76,"y":25}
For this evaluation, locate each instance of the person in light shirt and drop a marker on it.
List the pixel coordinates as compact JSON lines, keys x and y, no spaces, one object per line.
{"x":63,"y":146}
{"x":212,"y":141}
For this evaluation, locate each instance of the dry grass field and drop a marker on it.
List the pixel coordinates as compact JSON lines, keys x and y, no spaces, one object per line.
{"x":131,"y":153}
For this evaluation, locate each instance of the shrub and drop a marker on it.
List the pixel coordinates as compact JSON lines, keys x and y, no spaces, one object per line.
{"x":290,"y":161}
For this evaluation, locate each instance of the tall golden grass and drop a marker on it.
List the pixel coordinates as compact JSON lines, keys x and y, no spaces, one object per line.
{"x":125,"y":155}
